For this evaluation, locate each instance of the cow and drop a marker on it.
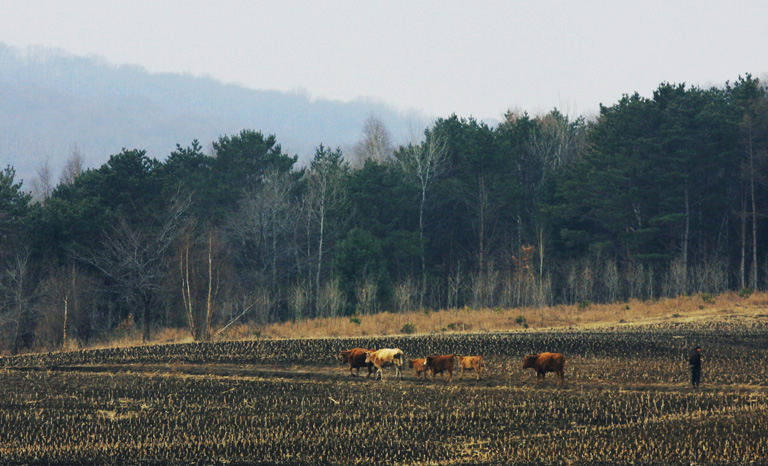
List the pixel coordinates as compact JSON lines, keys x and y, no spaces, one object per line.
{"x":546,"y":362}
{"x":386,"y":357}
{"x":356,"y":359}
{"x":419,"y":366}
{"x":468,"y":363}
{"x":440,"y":364}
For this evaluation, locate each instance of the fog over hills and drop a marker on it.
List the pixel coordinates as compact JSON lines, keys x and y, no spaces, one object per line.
{"x":51,"y":101}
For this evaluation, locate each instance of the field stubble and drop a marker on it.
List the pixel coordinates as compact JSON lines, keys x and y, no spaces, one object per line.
{"x":625,"y":400}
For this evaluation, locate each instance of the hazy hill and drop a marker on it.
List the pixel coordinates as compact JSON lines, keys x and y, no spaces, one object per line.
{"x":50,"y":101}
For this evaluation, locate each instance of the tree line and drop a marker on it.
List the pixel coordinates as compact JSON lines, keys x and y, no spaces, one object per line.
{"x":657,"y":196}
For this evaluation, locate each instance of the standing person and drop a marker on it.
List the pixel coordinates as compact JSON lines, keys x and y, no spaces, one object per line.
{"x":695,"y":362}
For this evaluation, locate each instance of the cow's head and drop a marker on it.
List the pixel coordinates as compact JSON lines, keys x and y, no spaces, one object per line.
{"x":530,"y":361}
{"x":369,"y":356}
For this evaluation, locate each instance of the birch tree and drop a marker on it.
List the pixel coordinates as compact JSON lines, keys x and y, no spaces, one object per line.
{"x":375,"y":144}
{"x":326,"y":195}
{"x":424,"y":163}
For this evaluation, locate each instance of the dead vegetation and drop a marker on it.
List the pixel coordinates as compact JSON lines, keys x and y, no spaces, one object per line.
{"x":626,"y":400}
{"x":468,"y":320}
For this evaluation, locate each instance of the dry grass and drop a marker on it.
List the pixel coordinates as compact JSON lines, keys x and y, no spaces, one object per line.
{"x":465,"y":320}
{"x":633,"y":312}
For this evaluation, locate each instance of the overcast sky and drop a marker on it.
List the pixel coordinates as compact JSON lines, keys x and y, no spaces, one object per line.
{"x":472,"y":58}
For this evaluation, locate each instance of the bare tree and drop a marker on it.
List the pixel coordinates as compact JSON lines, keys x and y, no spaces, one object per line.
{"x":332,"y":299}
{"x":298,"y":299}
{"x":555,"y":141}
{"x":132,"y":256}
{"x":455,"y":287}
{"x":424,"y":163}
{"x":366,"y":292}
{"x":376,"y":142}
{"x":200,"y":270}
{"x":326,"y":195}
{"x":59,"y":306}
{"x":74,"y":166}
{"x":611,"y":280}
{"x":68,"y":290}
{"x":16,"y":294}
{"x":42,"y":186}
{"x":405,"y":291}
{"x":754,"y":133}
{"x":263,"y":231}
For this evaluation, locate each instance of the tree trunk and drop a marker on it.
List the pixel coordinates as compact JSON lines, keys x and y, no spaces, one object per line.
{"x":481,"y":234}
{"x":209,"y":300}
{"x":686,"y":233}
{"x":320,"y":251}
{"x":64,"y":335}
{"x":147,"y":312}
{"x":753,"y":275}
{"x":423,"y":289}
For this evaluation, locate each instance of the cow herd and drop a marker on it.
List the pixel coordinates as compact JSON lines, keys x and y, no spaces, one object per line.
{"x":376,"y":360}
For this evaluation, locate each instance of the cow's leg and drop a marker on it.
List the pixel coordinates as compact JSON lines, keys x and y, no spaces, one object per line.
{"x":450,"y":376}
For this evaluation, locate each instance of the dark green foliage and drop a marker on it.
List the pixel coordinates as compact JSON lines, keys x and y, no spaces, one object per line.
{"x":658,"y":196}
{"x":14,"y":207}
{"x":359,"y":257}
{"x":408,"y":328}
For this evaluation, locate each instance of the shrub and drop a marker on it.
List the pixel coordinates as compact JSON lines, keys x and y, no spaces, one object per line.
{"x":520,"y":320}
{"x":408,"y":328}
{"x":355,"y":320}
{"x":745,"y":293}
{"x":708,"y":298}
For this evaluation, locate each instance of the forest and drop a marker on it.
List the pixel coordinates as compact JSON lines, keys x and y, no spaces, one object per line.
{"x":656,"y":197}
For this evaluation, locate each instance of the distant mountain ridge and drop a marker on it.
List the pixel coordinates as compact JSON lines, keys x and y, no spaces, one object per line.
{"x":51,"y":101}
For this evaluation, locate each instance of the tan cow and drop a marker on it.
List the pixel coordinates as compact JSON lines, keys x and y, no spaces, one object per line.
{"x":356,"y":359}
{"x":469,"y":363}
{"x":546,"y":362}
{"x":386,"y":357}
{"x":440,"y":364}
{"x":419,"y":365}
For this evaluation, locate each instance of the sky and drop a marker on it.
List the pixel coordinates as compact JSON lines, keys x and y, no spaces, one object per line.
{"x":478,"y":58}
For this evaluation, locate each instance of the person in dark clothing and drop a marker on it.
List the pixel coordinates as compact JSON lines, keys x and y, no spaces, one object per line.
{"x":695,"y":362}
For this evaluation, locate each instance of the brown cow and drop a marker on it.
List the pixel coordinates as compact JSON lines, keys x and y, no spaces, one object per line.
{"x":440,"y":364}
{"x":546,"y":362}
{"x":468,"y":363}
{"x":386,"y":357}
{"x":356,"y":359}
{"x":419,"y":366}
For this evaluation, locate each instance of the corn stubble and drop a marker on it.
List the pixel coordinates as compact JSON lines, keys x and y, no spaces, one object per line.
{"x":625,"y":400}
